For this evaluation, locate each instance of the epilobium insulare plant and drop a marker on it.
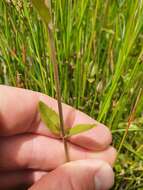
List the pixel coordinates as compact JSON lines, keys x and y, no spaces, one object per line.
{"x":52,"y":120}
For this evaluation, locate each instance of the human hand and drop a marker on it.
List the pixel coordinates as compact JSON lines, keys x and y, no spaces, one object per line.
{"x":30,"y":153}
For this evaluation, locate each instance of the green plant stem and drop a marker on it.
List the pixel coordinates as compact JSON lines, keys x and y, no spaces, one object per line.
{"x":58,"y":90}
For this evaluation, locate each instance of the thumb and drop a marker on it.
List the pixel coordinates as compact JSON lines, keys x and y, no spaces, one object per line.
{"x":78,"y":175}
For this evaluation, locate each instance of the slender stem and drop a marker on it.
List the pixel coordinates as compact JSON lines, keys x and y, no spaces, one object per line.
{"x":58,"y":90}
{"x":131,"y":118}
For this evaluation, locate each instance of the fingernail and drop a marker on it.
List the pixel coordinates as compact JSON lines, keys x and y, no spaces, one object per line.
{"x":98,"y":184}
{"x":104,"y":178}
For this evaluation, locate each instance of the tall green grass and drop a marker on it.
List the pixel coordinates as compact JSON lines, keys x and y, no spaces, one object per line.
{"x":100,"y":54}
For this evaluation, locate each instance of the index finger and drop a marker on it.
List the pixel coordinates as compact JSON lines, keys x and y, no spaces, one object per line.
{"x":19,"y":114}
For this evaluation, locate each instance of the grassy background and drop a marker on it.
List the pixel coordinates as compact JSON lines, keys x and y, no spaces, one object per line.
{"x":100,"y":53}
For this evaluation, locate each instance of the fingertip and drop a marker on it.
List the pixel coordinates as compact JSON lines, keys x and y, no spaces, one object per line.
{"x":104,"y":177}
{"x":108,"y":155}
{"x":113,"y":155}
{"x":103,"y":136}
{"x":81,"y":174}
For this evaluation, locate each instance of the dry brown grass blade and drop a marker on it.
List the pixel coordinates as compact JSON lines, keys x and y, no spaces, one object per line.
{"x":131,"y":118}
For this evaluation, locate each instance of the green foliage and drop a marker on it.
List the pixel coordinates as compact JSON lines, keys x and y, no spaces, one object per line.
{"x":79,"y":129}
{"x":43,"y":10}
{"x":52,"y":122}
{"x":50,"y":118}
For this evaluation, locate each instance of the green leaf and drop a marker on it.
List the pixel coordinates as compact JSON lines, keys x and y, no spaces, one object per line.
{"x":43,"y":10}
{"x":80,"y":128}
{"x":50,"y":118}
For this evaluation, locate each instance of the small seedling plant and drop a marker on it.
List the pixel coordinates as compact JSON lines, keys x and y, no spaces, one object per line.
{"x":53,"y":121}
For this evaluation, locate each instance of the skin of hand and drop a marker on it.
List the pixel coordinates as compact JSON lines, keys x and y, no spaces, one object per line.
{"x":32,"y":157}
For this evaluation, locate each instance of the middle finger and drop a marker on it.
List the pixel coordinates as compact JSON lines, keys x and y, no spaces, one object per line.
{"x":44,"y":153}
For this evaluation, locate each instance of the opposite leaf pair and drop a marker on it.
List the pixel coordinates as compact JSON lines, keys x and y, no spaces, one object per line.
{"x":49,"y":116}
{"x":52,"y":121}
